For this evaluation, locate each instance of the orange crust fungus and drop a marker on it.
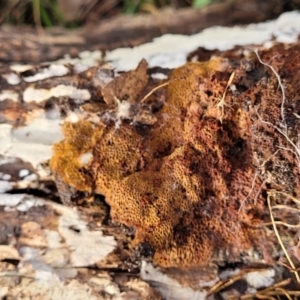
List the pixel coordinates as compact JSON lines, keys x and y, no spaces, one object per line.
{"x":191,"y":185}
{"x":80,"y":138}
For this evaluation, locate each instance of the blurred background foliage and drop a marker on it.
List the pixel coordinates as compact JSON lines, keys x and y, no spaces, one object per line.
{"x":74,"y":13}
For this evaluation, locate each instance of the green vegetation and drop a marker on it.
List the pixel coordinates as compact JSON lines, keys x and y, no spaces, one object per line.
{"x":132,"y":6}
{"x":44,"y":13}
{"x":201,"y":3}
{"x":47,"y":13}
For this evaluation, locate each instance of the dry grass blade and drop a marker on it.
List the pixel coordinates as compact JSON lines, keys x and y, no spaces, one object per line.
{"x":224,"y":284}
{"x":288,"y":267}
{"x":222,"y":102}
{"x":268,"y":292}
{"x":37,"y":16}
{"x":284,"y":292}
{"x":259,"y":296}
{"x":293,"y":269}
{"x":279,"y":206}
{"x":154,"y":90}
{"x":282,"y":223}
{"x":221,"y":285}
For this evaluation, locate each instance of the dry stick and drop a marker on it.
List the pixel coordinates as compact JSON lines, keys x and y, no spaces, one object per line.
{"x":284,"y":292}
{"x":281,"y":223}
{"x":223,"y":284}
{"x":268,"y":290}
{"x":264,"y":297}
{"x":282,"y":206}
{"x":152,"y":91}
{"x":277,"y":292}
{"x":288,"y":267}
{"x":279,"y":238}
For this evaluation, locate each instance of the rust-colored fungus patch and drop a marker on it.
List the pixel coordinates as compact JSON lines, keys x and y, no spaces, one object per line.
{"x":192,"y":183}
{"x":81,"y":137}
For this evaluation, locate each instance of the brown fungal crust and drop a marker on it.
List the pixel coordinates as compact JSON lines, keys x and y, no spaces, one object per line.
{"x":193,"y":184}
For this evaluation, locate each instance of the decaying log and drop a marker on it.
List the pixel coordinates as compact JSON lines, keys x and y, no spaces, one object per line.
{"x":156,"y":183}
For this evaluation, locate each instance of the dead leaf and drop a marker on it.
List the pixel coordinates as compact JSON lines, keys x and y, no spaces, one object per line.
{"x":127,"y":87}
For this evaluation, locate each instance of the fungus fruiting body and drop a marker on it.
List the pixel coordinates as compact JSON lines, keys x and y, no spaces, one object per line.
{"x":180,"y":180}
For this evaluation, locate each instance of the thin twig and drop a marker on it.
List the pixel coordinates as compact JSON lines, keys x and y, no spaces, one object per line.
{"x":288,"y":267}
{"x":279,"y":238}
{"x":222,"y":102}
{"x":267,"y":291}
{"x":224,"y":284}
{"x":37,"y":16}
{"x":281,"y":223}
{"x":281,"y":206}
{"x":152,"y":91}
{"x":284,"y":293}
{"x":287,"y":195}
